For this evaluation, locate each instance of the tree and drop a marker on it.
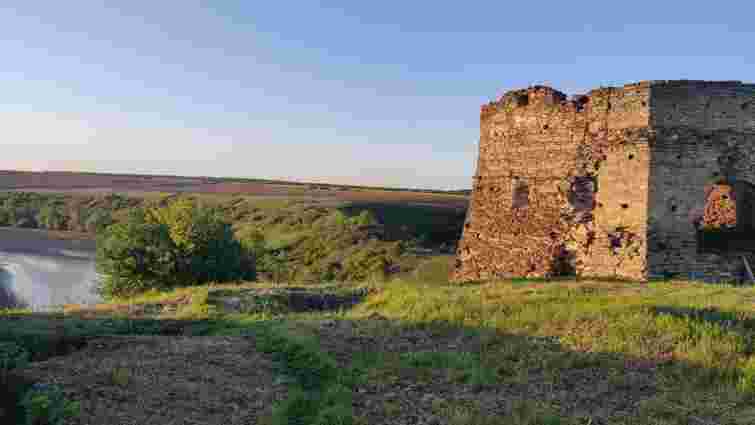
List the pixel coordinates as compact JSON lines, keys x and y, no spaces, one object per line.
{"x":206,"y":245}
{"x":98,"y":220}
{"x":134,"y":256}
{"x":181,"y":244}
{"x":51,"y":217}
{"x":365,"y":218}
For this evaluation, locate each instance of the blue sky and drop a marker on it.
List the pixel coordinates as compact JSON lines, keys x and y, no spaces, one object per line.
{"x":381,"y":93}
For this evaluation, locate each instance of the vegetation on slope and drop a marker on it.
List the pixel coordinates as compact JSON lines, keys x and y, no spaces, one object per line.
{"x":289,"y":241}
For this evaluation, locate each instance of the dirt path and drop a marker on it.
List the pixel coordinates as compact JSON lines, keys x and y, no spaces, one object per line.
{"x":166,"y":380}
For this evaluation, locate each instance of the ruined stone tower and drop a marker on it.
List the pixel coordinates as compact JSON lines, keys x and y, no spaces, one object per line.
{"x":649,"y":179}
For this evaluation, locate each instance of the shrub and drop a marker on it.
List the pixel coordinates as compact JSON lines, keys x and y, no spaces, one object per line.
{"x":747,"y":378}
{"x":5,"y":216}
{"x":370,"y":261}
{"x":276,"y":265}
{"x":135,"y":256}
{"x":51,"y":217}
{"x":253,"y":243}
{"x":98,"y":220}
{"x":12,"y":355}
{"x":205,"y":245}
{"x":365,"y":218}
{"x":162,"y":247}
{"x":46,"y":405}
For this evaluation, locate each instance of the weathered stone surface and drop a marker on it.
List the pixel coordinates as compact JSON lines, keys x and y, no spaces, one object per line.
{"x":617,"y":182}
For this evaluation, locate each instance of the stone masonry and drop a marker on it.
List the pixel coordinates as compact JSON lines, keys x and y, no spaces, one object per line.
{"x":650,"y":179}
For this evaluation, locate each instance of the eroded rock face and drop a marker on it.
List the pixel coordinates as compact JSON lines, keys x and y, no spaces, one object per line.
{"x":583,"y":186}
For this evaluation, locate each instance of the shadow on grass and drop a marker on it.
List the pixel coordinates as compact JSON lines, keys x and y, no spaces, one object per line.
{"x":291,"y":299}
{"x":469,"y":375}
{"x":726,"y":319}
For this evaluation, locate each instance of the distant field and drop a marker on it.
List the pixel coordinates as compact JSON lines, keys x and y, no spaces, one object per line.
{"x":136,"y":185}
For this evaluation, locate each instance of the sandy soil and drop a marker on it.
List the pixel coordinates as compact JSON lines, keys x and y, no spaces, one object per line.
{"x":165,"y":380}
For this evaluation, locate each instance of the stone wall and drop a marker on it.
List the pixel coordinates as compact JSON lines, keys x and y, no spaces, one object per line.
{"x":616,"y":182}
{"x":703,"y":149}
{"x":582,"y":167}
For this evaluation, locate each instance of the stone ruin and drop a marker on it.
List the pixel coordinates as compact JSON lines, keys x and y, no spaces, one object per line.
{"x":652,"y":179}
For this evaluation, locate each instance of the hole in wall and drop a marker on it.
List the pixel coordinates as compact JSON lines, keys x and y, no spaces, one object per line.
{"x":582,"y":193}
{"x":564,"y":263}
{"x":662,"y":246}
{"x":716,"y":174}
{"x":545,"y":127}
{"x":624,"y":206}
{"x":679,"y":157}
{"x":718,"y":228}
{"x":643,"y":103}
{"x":600,"y":205}
{"x":521,"y":195}
{"x":631,"y":156}
{"x":674,"y":208}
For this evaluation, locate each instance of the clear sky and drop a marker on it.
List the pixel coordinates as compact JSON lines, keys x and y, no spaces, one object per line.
{"x":363,"y":92}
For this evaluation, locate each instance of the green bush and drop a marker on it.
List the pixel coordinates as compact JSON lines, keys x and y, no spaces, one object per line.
{"x":51,"y":217}
{"x":161,"y":247}
{"x":206,"y":248}
{"x":12,"y":356}
{"x":276,"y":265}
{"x":370,"y":261}
{"x":98,"y":220}
{"x":5,"y":216}
{"x":46,"y":405}
{"x":135,"y":256}
{"x":365,"y":218}
{"x":747,"y":378}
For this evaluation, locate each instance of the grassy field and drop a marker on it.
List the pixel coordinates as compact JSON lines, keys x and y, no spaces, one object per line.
{"x":411,"y":351}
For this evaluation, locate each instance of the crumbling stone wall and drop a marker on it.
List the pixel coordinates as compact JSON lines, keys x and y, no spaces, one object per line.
{"x":701,"y":171}
{"x":611,"y":183}
{"x":581,"y":165}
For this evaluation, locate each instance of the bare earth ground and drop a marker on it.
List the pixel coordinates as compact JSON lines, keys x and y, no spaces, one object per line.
{"x":166,"y":380}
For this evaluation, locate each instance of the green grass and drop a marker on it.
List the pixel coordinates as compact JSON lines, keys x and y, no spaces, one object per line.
{"x":698,"y":340}
{"x":700,"y":337}
{"x":320,"y":393}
